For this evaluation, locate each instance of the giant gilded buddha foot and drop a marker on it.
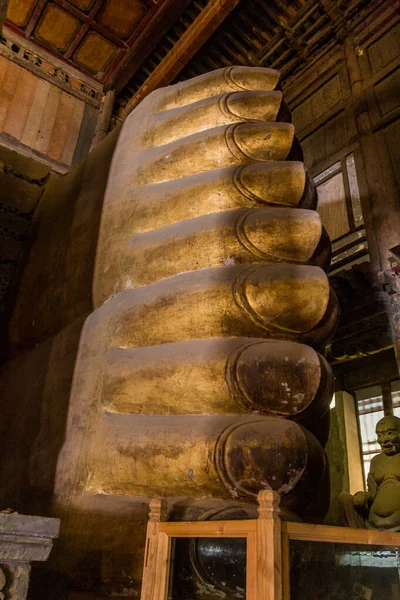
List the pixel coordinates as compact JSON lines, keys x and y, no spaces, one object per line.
{"x":198,"y":374}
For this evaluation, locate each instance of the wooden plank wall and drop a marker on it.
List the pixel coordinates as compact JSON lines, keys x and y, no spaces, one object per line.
{"x":39,"y":114}
{"x":381,"y":74}
{"x":323,"y":104}
{"x":323,"y":115}
{"x":345,"y":103}
{"x":332,"y":206}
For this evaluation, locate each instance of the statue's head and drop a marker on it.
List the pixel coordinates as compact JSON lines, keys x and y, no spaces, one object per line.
{"x":388,"y":432}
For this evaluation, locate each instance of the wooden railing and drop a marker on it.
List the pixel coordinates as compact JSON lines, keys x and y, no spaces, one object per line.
{"x":267,"y":539}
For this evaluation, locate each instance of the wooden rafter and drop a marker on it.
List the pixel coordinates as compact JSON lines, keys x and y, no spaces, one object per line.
{"x":168,"y":13}
{"x":34,"y":18}
{"x":196,"y":35}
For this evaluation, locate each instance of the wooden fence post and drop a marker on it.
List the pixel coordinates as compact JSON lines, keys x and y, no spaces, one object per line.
{"x":269,"y":554}
{"x":151,"y":569}
{"x":104,"y":118}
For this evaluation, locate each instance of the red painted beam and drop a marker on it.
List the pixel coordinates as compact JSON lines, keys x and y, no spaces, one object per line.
{"x":35,"y":16}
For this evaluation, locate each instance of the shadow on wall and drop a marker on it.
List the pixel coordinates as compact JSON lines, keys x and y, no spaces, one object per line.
{"x":55,"y":284}
{"x":101,"y":537}
{"x":112,"y":566}
{"x":35,"y":390}
{"x":53,"y":296}
{"x":22,"y":182}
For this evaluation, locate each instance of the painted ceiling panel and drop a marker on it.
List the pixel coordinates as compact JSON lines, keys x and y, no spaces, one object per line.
{"x":93,"y":36}
{"x":95,"y":52}
{"x":56,"y":27}
{"x":19,"y":11}
{"x":122,"y":16}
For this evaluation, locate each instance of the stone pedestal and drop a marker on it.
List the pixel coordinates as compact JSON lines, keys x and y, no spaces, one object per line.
{"x":23,"y":539}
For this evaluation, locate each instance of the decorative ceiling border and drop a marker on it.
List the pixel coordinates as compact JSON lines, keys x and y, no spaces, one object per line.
{"x":46,"y":66}
{"x":88,"y":21}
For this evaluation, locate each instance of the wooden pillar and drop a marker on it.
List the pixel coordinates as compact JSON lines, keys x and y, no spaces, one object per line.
{"x":269,"y":553}
{"x":394,"y":311}
{"x":367,"y":142}
{"x":104,"y":120}
{"x":155,"y":569}
{"x":383,"y":201}
{"x":345,"y":405}
{"x":387,"y":398}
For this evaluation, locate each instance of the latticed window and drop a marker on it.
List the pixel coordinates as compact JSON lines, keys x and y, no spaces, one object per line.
{"x":339,"y":206}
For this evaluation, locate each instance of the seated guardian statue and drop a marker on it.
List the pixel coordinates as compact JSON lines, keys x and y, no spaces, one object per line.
{"x":379,"y":507}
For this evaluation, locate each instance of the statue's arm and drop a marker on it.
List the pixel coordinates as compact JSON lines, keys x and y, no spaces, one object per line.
{"x":363,"y":500}
{"x":371,"y":483}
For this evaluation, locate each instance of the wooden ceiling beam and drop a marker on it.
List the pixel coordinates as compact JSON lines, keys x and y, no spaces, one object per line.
{"x":337,"y":17}
{"x":33,"y":21}
{"x":164,"y":18}
{"x":191,"y":41}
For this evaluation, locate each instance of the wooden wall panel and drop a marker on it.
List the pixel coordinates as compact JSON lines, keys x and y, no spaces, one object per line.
{"x":332,"y":206}
{"x":320,"y":102}
{"x":20,"y":105}
{"x":392,"y":138}
{"x":381,"y":78}
{"x":85,"y":138}
{"x":38,"y":114}
{"x":325,"y":141}
{"x":3,"y":70}
{"x":59,"y":134}
{"x":386,"y":93}
{"x":7,"y":92}
{"x":384,"y":49}
{"x":348,"y":102}
{"x":70,"y":145}
{"x":321,"y":111}
{"x":48,"y":121}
